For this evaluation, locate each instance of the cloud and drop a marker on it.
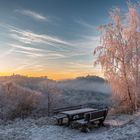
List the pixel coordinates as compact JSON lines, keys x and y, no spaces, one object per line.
{"x":54,"y":55}
{"x":29,"y":37}
{"x":25,"y":48}
{"x":86,"y":44}
{"x":53,"y":46}
{"x":85,"y":24}
{"x":31,"y":54}
{"x":35,"y":52}
{"x":52,"y":52}
{"x":60,"y":48}
{"x":7,"y":52}
{"x":80,"y":65}
{"x":30,"y":51}
{"x":25,"y":65}
{"x":32,"y":14}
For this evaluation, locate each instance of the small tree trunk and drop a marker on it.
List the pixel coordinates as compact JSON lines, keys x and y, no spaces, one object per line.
{"x":49,"y":104}
{"x":127,"y":83}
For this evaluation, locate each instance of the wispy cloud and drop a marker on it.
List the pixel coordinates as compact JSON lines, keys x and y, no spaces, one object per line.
{"x":25,"y":65}
{"x":86,"y":44}
{"x":79,"y":65}
{"x":61,"y":48}
{"x":25,"y":48}
{"x":35,"y":52}
{"x":32,"y":14}
{"x":54,"y":55}
{"x":50,"y":52}
{"x":7,"y":52}
{"x":29,"y":51}
{"x":85,"y":24}
{"x":29,"y":37}
{"x":31,"y":54}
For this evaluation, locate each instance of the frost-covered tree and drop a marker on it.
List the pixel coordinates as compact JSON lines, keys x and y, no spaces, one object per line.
{"x":51,"y":93}
{"x":119,"y":55}
{"x":17,"y":101}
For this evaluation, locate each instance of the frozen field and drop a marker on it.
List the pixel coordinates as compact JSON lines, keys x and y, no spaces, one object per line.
{"x":123,"y":127}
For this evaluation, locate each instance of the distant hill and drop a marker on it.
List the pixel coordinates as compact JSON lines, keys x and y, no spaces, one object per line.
{"x":91,"y":78}
{"x":88,"y":79}
{"x":88,"y":83}
{"x":24,"y":81}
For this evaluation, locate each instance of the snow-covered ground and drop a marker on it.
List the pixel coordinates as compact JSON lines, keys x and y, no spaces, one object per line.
{"x":124,"y":127}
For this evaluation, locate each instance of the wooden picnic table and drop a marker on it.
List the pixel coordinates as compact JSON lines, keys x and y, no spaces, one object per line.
{"x":76,"y":114}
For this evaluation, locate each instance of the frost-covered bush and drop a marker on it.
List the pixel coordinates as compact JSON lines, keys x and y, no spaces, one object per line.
{"x":16,"y":101}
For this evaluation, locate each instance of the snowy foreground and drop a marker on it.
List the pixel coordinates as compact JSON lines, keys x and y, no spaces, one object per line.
{"x":122,"y":127}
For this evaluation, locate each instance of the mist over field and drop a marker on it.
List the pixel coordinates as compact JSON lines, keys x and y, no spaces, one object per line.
{"x":94,"y":84}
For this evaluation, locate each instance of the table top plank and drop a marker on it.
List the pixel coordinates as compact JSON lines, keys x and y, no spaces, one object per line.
{"x":78,"y":111}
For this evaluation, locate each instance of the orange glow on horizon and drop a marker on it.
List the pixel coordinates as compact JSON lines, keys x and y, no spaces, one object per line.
{"x":55,"y":76}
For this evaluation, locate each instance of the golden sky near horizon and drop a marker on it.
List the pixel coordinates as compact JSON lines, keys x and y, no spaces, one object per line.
{"x":55,"y":75}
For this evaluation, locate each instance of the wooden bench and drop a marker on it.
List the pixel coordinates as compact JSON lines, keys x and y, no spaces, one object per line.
{"x":60,"y":117}
{"x":92,"y":118}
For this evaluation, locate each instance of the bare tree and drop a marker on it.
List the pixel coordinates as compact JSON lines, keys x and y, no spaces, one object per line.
{"x":119,"y":55}
{"x":51,"y":94}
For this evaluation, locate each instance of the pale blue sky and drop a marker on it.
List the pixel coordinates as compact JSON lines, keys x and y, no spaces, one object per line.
{"x":51,"y":37}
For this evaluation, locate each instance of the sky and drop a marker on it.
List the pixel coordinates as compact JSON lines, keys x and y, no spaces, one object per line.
{"x":54,"y":38}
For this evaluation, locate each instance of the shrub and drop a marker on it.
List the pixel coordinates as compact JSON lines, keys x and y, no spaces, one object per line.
{"x":16,"y":101}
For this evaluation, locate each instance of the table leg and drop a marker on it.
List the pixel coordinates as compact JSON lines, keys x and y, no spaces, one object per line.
{"x":69,"y":120}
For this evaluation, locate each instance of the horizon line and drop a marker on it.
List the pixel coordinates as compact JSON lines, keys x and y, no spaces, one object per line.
{"x":45,"y":76}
